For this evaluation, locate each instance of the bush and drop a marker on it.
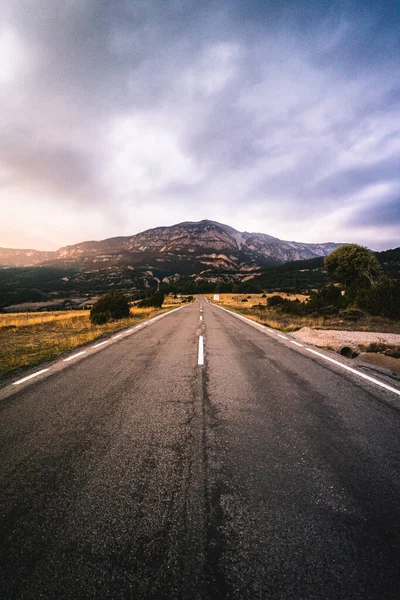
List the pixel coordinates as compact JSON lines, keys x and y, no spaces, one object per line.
{"x":244,"y":300}
{"x":99,"y":318}
{"x":110,"y":307}
{"x":381,"y":300}
{"x":155,"y":300}
{"x":275,"y":301}
{"x":327,"y":297}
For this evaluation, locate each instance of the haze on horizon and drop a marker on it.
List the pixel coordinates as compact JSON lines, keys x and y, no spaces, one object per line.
{"x":276,"y":117}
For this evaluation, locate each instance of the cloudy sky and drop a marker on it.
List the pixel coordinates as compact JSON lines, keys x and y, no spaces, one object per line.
{"x":279,"y":116}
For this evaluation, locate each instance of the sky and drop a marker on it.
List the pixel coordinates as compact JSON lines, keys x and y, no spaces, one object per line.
{"x":275,"y":116}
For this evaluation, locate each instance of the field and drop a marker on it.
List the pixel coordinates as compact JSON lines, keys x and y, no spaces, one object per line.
{"x":31,"y":338}
{"x":246,"y":304}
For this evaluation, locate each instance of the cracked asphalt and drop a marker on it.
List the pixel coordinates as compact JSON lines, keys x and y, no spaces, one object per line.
{"x":137,"y":474}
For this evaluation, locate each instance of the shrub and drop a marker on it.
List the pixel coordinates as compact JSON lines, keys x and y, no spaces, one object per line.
{"x":111,"y":307}
{"x":244,"y":300}
{"x":99,"y":318}
{"x":155,"y":300}
{"x":382,"y":300}
{"x":275,"y":301}
{"x":327,"y":296}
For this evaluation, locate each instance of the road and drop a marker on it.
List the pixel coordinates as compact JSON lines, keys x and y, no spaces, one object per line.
{"x":135,"y":472}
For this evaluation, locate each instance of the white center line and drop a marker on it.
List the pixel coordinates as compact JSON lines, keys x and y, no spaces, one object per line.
{"x":297,"y":343}
{"x":100,"y":344}
{"x":74,"y":356}
{"x":201,"y":318}
{"x":336,"y":362}
{"x":30,"y":377}
{"x":201,"y":351}
{"x":282,"y":336}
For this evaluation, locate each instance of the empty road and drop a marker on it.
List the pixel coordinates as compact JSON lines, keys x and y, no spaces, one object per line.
{"x":198,"y":457}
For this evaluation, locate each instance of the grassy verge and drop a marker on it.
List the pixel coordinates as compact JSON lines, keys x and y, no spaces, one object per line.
{"x":31,"y":339}
{"x":276,"y":320}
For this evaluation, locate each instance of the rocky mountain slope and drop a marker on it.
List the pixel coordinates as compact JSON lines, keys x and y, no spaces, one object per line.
{"x":194,"y":253}
{"x":201,"y":244}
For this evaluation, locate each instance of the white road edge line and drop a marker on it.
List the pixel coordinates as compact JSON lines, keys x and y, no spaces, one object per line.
{"x":297,"y":343}
{"x":117,"y":336}
{"x":201,"y":351}
{"x":30,"y":377}
{"x":74,"y":356}
{"x":336,"y":362}
{"x":282,"y":336}
{"x":100,"y":344}
{"x":367,"y":377}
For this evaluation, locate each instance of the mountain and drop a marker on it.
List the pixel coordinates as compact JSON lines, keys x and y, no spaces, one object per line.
{"x":206,"y":243}
{"x":196,"y":253}
{"x":23,"y":258}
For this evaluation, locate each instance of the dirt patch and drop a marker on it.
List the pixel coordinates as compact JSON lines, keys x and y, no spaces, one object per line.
{"x":358,"y":341}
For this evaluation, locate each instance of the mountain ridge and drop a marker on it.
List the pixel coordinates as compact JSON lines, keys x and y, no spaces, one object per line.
{"x":187,"y":237}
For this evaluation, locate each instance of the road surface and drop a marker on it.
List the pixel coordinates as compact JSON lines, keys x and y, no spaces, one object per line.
{"x":133,"y":471}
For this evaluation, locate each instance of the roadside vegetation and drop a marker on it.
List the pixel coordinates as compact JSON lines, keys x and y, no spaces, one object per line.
{"x":362,"y":299}
{"x":256,"y":307}
{"x":31,"y":338}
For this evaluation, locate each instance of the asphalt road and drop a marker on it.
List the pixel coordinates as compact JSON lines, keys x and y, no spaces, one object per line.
{"x":133,"y":472}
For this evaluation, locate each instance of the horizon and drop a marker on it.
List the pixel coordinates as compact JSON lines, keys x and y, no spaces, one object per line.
{"x":280,"y":118}
{"x":183,"y":223}
{"x":173,"y":225}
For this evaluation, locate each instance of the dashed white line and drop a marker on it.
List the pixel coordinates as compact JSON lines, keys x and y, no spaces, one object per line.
{"x":282,"y":336}
{"x":297,"y":343}
{"x":367,"y":377}
{"x":100,"y":344}
{"x":201,"y":318}
{"x":30,"y":377}
{"x":74,"y":356}
{"x":201,"y":351}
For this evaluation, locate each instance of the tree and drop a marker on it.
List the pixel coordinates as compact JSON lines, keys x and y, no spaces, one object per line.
{"x":352,"y":264}
{"x":111,"y":307}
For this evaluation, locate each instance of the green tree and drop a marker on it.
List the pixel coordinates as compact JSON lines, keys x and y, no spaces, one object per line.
{"x":352,"y":264}
{"x":111,"y":307}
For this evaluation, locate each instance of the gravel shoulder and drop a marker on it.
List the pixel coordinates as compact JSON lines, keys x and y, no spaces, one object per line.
{"x":334,"y":339}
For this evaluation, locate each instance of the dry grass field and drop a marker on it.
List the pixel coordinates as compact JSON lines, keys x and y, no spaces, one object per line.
{"x":31,"y":338}
{"x":273,"y":318}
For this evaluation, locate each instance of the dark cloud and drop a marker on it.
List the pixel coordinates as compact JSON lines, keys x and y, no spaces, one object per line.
{"x":280,"y":108}
{"x":349,"y":181}
{"x":387,"y":213}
